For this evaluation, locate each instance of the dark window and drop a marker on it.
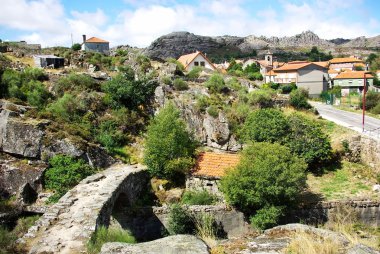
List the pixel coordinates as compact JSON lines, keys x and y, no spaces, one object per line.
{"x":203,"y":64}
{"x":196,"y":63}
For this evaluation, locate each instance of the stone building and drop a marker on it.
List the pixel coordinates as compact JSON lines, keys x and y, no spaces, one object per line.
{"x":209,"y":169}
{"x":95,"y":45}
{"x":192,"y":60}
{"x":44,"y":61}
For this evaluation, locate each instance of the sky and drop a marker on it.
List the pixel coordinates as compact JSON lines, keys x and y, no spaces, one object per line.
{"x":139,"y":22}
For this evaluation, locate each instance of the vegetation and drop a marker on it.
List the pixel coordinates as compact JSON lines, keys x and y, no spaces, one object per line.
{"x":266,"y":217}
{"x":205,"y":227}
{"x":315,"y":56}
{"x":76,"y":46}
{"x":198,"y":198}
{"x":216,"y":84}
{"x":267,"y":175}
{"x":180,"y":84}
{"x":261,"y":98}
{"x":195,"y":72}
{"x":180,"y":221}
{"x":251,"y":71}
{"x":169,"y":148}
{"x":64,"y":173}
{"x":298,"y":99}
{"x":103,"y":235}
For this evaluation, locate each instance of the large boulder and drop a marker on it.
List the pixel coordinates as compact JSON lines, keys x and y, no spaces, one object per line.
{"x":184,"y":244}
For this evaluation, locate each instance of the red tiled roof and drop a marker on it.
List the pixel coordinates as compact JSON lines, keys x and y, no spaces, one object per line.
{"x":353,"y":75}
{"x":214,"y":164}
{"x":295,"y":66}
{"x":96,"y":40}
{"x":345,"y":60}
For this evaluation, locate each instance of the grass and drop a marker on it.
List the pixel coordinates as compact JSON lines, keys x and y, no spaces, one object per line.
{"x":198,"y":198}
{"x":8,"y":237}
{"x":205,"y":228}
{"x":25,"y":60}
{"x":103,"y":235}
{"x":352,"y":181}
{"x":304,"y":243}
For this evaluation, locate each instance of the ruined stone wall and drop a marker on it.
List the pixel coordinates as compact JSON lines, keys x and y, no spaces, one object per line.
{"x":366,"y":150}
{"x":199,"y":184}
{"x":149,"y":223}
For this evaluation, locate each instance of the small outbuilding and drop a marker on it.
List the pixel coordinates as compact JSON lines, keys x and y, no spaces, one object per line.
{"x":209,"y":169}
{"x":95,"y":44}
{"x":192,"y":60}
{"x":45,"y":61}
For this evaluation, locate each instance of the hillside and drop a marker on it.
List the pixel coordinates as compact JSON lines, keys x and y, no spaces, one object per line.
{"x":221,"y":47}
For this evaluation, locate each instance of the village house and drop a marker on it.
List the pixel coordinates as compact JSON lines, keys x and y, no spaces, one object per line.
{"x":95,"y":45}
{"x":209,"y":169}
{"x":266,"y":65}
{"x":310,"y":76}
{"x":197,"y":58}
{"x":346,"y":63}
{"x":353,"y":81}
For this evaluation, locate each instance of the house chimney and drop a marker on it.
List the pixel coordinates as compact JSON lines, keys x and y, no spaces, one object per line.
{"x":84,"y":38}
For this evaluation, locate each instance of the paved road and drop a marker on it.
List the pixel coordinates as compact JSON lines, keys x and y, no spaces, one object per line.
{"x":349,"y":119}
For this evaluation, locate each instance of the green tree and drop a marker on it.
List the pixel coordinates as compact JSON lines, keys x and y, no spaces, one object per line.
{"x":307,"y":139}
{"x":269,"y":125}
{"x":298,"y":99}
{"x":267,"y":175}
{"x":76,"y":46}
{"x":168,"y":147}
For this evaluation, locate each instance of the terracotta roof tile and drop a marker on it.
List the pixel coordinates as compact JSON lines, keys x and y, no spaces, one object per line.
{"x":271,"y":73}
{"x":345,"y":60}
{"x":323,"y":64}
{"x":96,"y":40}
{"x":211,"y":164}
{"x":353,"y":75}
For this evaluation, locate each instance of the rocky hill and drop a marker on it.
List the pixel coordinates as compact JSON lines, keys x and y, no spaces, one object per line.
{"x":178,"y":43}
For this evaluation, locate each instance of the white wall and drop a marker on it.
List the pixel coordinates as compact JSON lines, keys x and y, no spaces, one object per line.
{"x":200,"y":59}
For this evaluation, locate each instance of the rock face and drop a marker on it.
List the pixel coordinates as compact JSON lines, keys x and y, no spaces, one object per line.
{"x":184,"y":244}
{"x":179,"y":43}
{"x":67,"y":226}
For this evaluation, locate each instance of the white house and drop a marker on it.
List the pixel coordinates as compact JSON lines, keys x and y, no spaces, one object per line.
{"x":189,"y":61}
{"x":95,"y":45}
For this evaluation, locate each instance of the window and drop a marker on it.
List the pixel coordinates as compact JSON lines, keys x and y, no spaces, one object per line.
{"x":350,"y":82}
{"x":203,"y":64}
{"x":196,"y":63}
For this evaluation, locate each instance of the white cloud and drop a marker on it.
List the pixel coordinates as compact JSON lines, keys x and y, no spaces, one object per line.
{"x":45,"y":20}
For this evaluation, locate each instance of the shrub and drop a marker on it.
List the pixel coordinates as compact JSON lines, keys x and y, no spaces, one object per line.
{"x":104,"y":235}
{"x":216,"y":83}
{"x":376,"y":109}
{"x":195,"y":72}
{"x":76,"y":47}
{"x":167,"y":141}
{"x":268,"y":125}
{"x":166,"y":80}
{"x":286,"y":89}
{"x":75,"y":83}
{"x":261,"y":98}
{"x":202,"y":102}
{"x":307,"y":139}
{"x":213,"y":111}
{"x":298,"y":99}
{"x":266,"y":217}
{"x":129,"y":93}
{"x":65,"y":172}
{"x":267,"y":175}
{"x":198,"y":198}
{"x":180,"y":221}
{"x":37,"y":95}
{"x":180,"y":66}
{"x":372,"y":100}
{"x":206,"y":227}
{"x":66,"y":108}
{"x":180,"y":84}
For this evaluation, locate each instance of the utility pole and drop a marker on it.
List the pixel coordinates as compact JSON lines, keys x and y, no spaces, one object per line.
{"x":364,"y":93}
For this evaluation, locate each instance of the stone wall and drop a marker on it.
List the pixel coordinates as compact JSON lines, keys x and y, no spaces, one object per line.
{"x":199,"y":184}
{"x":365,"y":149}
{"x":368,"y":212}
{"x":151,"y":223}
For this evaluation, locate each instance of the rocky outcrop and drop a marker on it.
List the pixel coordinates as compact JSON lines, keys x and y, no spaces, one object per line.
{"x":67,"y":226}
{"x":179,"y":43}
{"x":184,"y":244}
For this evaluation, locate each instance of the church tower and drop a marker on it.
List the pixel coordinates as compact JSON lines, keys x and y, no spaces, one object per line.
{"x":269,"y":58}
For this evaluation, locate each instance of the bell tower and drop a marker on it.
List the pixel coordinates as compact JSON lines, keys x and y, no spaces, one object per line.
{"x":269,"y":58}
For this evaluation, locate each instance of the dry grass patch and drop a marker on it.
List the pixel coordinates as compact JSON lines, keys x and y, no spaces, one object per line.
{"x":304,"y":243}
{"x":25,"y":60}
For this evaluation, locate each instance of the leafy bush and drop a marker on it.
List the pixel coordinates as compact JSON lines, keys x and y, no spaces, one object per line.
{"x":175,"y":61}
{"x":67,"y":108}
{"x":266,"y":217}
{"x":261,"y":98}
{"x":180,"y":221}
{"x":198,"y":198}
{"x":121,"y":91}
{"x":75,"y":83}
{"x":268,"y":125}
{"x":104,"y":235}
{"x":213,"y":111}
{"x":298,"y":99}
{"x":180,"y":84}
{"x":372,"y":100}
{"x":37,"y":95}
{"x":216,"y":83}
{"x":202,"y":102}
{"x":166,"y":80}
{"x":307,"y":139}
{"x":267,"y":175}
{"x":65,"y":172}
{"x":168,"y":142}
{"x":255,"y":76}
{"x":286,"y":89}
{"x":195,"y":72}
{"x":76,"y":47}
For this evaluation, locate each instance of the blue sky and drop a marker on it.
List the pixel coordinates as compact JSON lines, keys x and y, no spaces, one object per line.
{"x":138,"y":23}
